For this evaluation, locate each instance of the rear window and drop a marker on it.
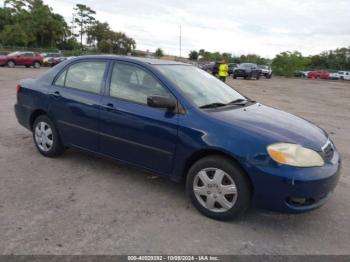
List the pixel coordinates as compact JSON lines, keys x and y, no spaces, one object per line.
{"x":86,"y":76}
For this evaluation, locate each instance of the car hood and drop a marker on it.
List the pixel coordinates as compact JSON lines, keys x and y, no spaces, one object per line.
{"x":274,"y":125}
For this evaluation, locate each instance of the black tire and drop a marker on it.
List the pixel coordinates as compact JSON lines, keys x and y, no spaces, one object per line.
{"x":57,"y":147}
{"x":27,"y":66}
{"x":11,"y":63}
{"x":244,"y":191}
{"x":234,"y":77}
{"x":36,"y":64}
{"x":257,"y":77}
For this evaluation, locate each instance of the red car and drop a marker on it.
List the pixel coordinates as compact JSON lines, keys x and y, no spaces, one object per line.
{"x":318,"y":74}
{"x":27,"y":59}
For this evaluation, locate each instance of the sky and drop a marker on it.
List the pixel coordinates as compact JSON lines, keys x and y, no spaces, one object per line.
{"x":264,"y":27}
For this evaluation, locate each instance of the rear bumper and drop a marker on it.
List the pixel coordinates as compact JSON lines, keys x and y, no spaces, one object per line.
{"x":298,"y":189}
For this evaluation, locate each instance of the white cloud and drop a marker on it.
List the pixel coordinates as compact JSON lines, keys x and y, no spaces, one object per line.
{"x":265,"y":27}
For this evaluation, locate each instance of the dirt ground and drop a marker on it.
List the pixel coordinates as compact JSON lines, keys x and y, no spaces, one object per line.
{"x":81,"y":204}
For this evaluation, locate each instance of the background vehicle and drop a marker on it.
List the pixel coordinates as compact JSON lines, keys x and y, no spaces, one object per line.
{"x":247,"y":71}
{"x":51,"y":59}
{"x":318,"y":74}
{"x":208,"y":67}
{"x":266,"y":71}
{"x":27,"y":59}
{"x":231,"y":67}
{"x":334,"y":76}
{"x":344,"y":75}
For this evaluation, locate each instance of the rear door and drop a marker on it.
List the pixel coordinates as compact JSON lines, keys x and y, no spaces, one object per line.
{"x":74,"y":102}
{"x":28,"y":58}
{"x":131,"y":130}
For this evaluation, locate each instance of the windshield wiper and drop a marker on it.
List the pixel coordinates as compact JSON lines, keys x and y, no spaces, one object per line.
{"x":239,"y":101}
{"x":213,"y":105}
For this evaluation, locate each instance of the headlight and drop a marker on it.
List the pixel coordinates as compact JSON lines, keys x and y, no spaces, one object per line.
{"x":294,"y":155}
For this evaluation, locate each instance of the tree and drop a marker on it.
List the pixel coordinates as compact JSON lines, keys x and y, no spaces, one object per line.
{"x":13,"y":35}
{"x":105,"y":46}
{"x":193,"y":55}
{"x":83,"y":18}
{"x":98,"y":32}
{"x":35,"y":23}
{"x":286,"y":63}
{"x":159,"y":53}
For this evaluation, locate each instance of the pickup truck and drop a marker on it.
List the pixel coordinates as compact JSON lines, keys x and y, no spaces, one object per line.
{"x":247,"y":71}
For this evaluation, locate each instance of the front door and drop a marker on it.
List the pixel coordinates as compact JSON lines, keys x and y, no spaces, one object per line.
{"x":131,"y":130}
{"x":74,"y":103}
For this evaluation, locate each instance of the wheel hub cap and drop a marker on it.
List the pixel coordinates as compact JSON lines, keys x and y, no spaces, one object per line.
{"x":43,"y":136}
{"x":215,"y":190}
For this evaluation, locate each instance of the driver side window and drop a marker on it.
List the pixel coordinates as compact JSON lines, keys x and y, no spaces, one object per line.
{"x":134,"y":84}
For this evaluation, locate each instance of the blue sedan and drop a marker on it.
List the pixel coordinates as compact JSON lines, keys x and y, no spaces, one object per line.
{"x":180,"y":122}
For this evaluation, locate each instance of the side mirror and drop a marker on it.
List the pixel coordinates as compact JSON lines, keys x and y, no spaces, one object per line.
{"x":161,"y":102}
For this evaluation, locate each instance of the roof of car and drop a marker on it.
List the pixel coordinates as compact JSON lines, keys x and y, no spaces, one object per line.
{"x":150,"y":61}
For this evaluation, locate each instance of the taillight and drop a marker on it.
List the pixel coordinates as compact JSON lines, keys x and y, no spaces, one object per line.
{"x":18,"y":88}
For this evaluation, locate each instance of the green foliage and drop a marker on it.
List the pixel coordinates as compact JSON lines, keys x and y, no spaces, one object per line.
{"x":193,"y":55}
{"x":83,"y":18}
{"x":286,"y":63}
{"x":14,"y":35}
{"x":159,"y":52}
{"x":253,"y":58}
{"x":338,"y":59}
{"x":105,"y":46}
{"x":31,"y":23}
{"x":106,"y":40}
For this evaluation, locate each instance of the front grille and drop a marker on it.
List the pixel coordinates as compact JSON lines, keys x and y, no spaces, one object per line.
{"x":328,"y":151}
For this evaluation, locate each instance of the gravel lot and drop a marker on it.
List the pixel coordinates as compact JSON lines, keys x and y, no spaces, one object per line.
{"x":81,"y":204}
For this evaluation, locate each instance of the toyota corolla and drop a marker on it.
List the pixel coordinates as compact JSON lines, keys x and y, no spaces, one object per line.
{"x":178,"y":121}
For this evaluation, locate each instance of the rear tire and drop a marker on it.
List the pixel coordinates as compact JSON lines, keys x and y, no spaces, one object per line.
{"x":11,"y":64}
{"x":37,"y":65}
{"x":225,"y":195}
{"x":46,"y":137}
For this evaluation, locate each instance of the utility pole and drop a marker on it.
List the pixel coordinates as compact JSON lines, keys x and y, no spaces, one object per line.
{"x":180,"y":40}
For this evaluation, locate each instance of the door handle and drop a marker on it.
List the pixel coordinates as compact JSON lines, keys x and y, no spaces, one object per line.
{"x":108,"y":107}
{"x":56,"y":94}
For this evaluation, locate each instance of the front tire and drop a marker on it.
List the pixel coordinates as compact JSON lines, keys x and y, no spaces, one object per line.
{"x":37,"y":65}
{"x":46,"y":137}
{"x":218,"y":188}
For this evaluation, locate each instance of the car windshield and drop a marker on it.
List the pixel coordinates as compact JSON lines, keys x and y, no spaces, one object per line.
{"x":199,"y":86}
{"x":246,"y":65}
{"x":14,"y":53}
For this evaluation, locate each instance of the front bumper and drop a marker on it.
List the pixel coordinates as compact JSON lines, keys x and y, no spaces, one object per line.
{"x":295,"y":190}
